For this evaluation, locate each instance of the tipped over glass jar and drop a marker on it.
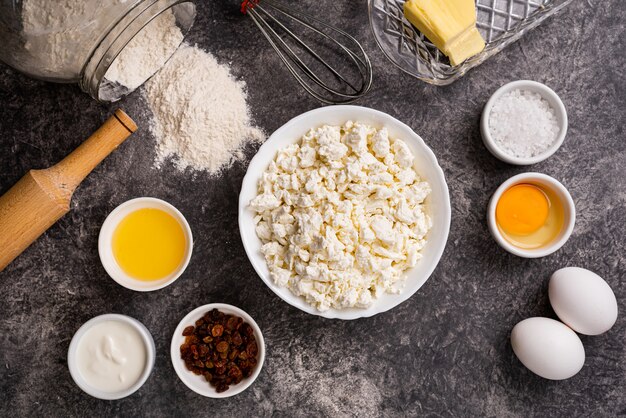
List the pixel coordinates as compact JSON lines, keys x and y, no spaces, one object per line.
{"x":108,"y":47}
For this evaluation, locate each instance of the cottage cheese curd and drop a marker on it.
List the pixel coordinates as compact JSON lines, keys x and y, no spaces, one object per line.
{"x":341,"y":215}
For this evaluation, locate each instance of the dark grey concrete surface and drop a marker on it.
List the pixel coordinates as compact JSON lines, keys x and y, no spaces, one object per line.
{"x":444,"y":352}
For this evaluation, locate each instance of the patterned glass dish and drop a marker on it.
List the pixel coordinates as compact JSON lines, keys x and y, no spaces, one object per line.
{"x":500,"y":22}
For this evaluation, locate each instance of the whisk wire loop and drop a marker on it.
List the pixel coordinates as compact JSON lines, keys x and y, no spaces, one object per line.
{"x":355,"y":57}
{"x":301,"y":65}
{"x":308,"y":78}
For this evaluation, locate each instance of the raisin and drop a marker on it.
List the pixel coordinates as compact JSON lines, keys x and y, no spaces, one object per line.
{"x":231,"y":324}
{"x":217,"y":330}
{"x":252,"y":349}
{"x":234,"y":371}
{"x":188,"y":330}
{"x":222,"y":347}
{"x":247,"y":329}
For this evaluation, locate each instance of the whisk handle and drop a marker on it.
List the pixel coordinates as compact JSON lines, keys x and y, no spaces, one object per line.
{"x":247,"y":5}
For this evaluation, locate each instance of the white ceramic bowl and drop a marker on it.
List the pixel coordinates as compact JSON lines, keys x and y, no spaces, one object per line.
{"x":198,"y":383}
{"x":73,"y":366}
{"x":438,"y":203}
{"x":105,"y":248}
{"x":549,"y":95}
{"x":549,"y":183}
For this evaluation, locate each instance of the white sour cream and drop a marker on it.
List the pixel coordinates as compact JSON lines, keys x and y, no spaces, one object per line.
{"x":111,"y":356}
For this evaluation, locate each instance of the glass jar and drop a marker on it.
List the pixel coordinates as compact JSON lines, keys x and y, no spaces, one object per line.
{"x":76,"y":41}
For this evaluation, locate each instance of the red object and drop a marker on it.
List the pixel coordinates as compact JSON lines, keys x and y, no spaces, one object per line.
{"x":248,"y":4}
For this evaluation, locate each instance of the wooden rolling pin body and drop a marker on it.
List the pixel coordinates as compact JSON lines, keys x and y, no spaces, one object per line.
{"x":42,"y":197}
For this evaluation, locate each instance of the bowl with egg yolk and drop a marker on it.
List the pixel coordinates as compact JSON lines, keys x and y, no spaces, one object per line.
{"x":531,"y":215}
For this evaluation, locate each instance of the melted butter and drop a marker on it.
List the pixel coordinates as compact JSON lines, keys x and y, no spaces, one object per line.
{"x":149,"y":244}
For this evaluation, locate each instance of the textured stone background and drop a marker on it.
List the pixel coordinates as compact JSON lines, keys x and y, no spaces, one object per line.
{"x":445,"y":352}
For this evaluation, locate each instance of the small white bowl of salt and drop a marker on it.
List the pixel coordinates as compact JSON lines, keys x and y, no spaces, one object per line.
{"x":523,"y":123}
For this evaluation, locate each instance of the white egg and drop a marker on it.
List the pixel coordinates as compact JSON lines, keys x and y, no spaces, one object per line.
{"x":582,"y":300}
{"x":548,"y":348}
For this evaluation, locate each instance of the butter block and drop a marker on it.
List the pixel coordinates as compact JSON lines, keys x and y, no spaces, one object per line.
{"x":449,"y":24}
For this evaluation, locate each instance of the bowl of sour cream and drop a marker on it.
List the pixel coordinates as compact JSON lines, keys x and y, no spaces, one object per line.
{"x":111,"y":356}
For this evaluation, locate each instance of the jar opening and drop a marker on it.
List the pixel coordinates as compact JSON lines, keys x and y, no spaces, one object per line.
{"x":136,"y":48}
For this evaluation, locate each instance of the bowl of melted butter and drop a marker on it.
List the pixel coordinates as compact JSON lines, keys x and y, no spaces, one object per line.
{"x":145,"y":244}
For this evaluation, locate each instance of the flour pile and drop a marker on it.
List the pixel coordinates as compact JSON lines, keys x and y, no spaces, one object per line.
{"x":146,"y":52}
{"x":200,"y":115}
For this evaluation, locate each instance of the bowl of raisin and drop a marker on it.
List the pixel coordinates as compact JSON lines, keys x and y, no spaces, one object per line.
{"x":218,"y":350}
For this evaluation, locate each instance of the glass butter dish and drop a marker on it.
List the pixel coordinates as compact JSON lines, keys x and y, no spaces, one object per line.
{"x":500,"y":22}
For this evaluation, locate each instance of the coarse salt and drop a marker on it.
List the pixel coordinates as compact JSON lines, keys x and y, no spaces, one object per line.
{"x":523,"y":124}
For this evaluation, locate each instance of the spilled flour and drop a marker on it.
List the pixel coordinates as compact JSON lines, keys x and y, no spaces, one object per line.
{"x":200,"y":116}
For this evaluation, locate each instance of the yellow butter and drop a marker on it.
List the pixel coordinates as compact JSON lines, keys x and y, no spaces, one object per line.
{"x":449,"y":24}
{"x":149,"y":244}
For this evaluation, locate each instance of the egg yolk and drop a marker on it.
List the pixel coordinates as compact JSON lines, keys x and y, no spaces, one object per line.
{"x":522,"y":209}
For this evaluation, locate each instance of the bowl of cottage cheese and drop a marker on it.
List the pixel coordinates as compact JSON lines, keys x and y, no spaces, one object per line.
{"x":344,"y":212}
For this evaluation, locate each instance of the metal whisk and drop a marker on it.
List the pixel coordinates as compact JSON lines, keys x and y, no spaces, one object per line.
{"x":317,"y":76}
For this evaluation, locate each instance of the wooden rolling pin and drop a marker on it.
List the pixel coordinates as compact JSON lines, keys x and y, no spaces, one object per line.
{"x":42,"y":197}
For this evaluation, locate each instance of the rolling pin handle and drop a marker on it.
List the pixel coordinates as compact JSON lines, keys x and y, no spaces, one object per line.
{"x":73,"y":169}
